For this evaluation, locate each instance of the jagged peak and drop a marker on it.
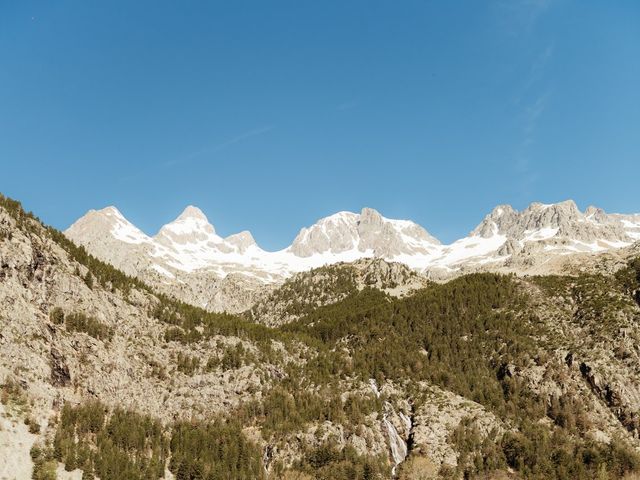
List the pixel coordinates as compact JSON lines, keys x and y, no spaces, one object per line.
{"x":501,"y":210}
{"x":371,"y":216}
{"x":96,"y":223}
{"x":192,"y":212}
{"x":242,"y":240}
{"x":109,"y":214}
{"x":110,"y":210}
{"x":192,"y":219}
{"x":569,"y":205}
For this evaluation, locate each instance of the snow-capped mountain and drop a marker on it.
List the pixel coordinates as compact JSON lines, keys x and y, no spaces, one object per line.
{"x":367,"y":232}
{"x":190,"y":243}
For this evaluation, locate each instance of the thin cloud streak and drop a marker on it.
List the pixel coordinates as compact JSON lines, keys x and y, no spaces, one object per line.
{"x":522,"y":15}
{"x":221,"y":146}
{"x":193,"y":156}
{"x":532,"y":102}
{"x":347,"y":106}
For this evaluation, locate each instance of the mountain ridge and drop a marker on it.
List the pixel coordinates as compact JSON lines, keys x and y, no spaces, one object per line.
{"x":190,"y":242}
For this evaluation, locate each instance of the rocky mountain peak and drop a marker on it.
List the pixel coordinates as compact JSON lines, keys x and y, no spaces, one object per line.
{"x":366,"y":233}
{"x":191,"y":226}
{"x":496,"y":222}
{"x":369,"y":216}
{"x":543,"y":222}
{"x":190,"y":243}
{"x":242,"y":241}
{"x":110,"y":210}
{"x":191,"y":212}
{"x":596,"y":214}
{"x":109,"y":222}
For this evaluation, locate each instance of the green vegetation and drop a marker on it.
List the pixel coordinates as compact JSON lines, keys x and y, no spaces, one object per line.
{"x":56,"y":315}
{"x":629,"y":279}
{"x":213,"y":450}
{"x":446,"y":334}
{"x":13,"y":396}
{"x":328,"y":463}
{"x":299,"y":295}
{"x":44,"y":463}
{"x":114,"y":445}
{"x":540,"y":454}
{"x":187,"y":364}
{"x":286,"y":410}
{"x":110,"y":445}
{"x":79,"y":322}
{"x":192,"y":324}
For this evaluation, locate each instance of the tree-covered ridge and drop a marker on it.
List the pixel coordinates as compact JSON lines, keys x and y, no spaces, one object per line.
{"x":303,"y":293}
{"x":446,"y":334}
{"x":118,"y":444}
{"x":469,"y":336}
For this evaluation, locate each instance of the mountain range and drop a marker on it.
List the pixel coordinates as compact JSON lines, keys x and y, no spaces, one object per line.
{"x":188,"y":249}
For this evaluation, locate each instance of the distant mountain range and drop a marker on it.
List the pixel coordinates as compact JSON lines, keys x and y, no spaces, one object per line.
{"x":190,"y":244}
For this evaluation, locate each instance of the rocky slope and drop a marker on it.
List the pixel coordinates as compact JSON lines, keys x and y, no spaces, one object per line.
{"x":188,"y":258}
{"x":365,"y":370}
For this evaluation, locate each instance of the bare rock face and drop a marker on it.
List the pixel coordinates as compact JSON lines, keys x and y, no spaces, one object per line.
{"x":337,"y":233}
{"x":438,"y":417}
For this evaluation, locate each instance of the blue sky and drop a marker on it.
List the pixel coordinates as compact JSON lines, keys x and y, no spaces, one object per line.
{"x":269,"y":115}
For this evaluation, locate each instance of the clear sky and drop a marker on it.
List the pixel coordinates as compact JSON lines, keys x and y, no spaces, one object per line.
{"x":269,"y":115}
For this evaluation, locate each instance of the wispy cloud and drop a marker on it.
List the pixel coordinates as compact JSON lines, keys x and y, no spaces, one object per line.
{"x":347,"y":106}
{"x":241,"y":137}
{"x":537,"y":70}
{"x":532,"y":114}
{"x":520,"y":16}
{"x":197,"y":155}
{"x":531,"y":102}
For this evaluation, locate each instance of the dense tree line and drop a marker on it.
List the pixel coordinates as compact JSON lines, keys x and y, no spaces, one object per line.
{"x":119,"y":444}
{"x":213,"y":450}
{"x":79,"y":322}
{"x":110,"y":445}
{"x":326,"y":462}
